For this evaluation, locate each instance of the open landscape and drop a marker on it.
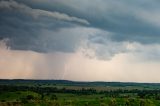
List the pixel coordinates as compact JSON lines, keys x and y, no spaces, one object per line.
{"x":72,"y":93}
{"x":79,"y":52}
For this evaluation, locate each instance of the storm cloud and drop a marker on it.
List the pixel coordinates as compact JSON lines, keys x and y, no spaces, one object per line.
{"x":66,"y":26}
{"x":127,"y":20}
{"x":85,"y":40}
{"x":36,"y":13}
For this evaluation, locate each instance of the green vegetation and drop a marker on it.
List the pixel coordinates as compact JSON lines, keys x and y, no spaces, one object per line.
{"x":68,"y":93}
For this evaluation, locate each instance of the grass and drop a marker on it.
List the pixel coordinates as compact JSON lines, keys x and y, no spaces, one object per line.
{"x":8,"y":98}
{"x":42,"y":97}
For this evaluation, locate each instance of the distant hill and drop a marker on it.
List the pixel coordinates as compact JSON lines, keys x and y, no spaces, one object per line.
{"x":77,"y":83}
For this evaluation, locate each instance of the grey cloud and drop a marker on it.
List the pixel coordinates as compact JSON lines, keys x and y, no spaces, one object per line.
{"x":47,"y":26}
{"x":108,"y":50}
{"x":128,"y":20}
{"x":36,"y":13}
{"x":146,"y":53}
{"x":41,"y":34}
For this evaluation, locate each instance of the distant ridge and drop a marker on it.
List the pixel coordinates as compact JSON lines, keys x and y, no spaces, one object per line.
{"x":77,"y":83}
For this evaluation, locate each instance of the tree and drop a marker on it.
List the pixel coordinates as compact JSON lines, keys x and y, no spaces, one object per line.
{"x":53,"y":97}
{"x":30,"y":97}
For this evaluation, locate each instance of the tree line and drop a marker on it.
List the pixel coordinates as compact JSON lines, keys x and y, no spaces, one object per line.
{"x":84,"y":91}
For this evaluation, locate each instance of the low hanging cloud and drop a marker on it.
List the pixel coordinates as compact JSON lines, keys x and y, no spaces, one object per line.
{"x":37,"y":13}
{"x":15,"y":64}
{"x":102,"y":32}
{"x":39,"y":30}
{"x":80,"y":40}
{"x":29,"y":64}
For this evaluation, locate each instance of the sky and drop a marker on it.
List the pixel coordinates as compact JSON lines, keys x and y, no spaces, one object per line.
{"x":80,"y":40}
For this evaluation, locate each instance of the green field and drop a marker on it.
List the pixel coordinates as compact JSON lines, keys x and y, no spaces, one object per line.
{"x":68,"y":93}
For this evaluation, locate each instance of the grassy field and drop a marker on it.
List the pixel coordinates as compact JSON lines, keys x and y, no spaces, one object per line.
{"x":62,"y":93}
{"x":62,"y":99}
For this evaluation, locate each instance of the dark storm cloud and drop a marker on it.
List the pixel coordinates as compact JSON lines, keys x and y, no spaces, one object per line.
{"x":40,"y":25}
{"x":127,"y":20}
{"x":27,"y":28}
{"x":36,"y":13}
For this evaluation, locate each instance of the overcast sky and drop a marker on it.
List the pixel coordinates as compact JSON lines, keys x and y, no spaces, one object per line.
{"x":82,"y":40}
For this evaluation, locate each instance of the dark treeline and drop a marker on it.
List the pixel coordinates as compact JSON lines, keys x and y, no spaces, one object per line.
{"x":84,"y":91}
{"x":13,"y":88}
{"x":78,"y":83}
{"x":69,"y":93}
{"x":86,"y":88}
